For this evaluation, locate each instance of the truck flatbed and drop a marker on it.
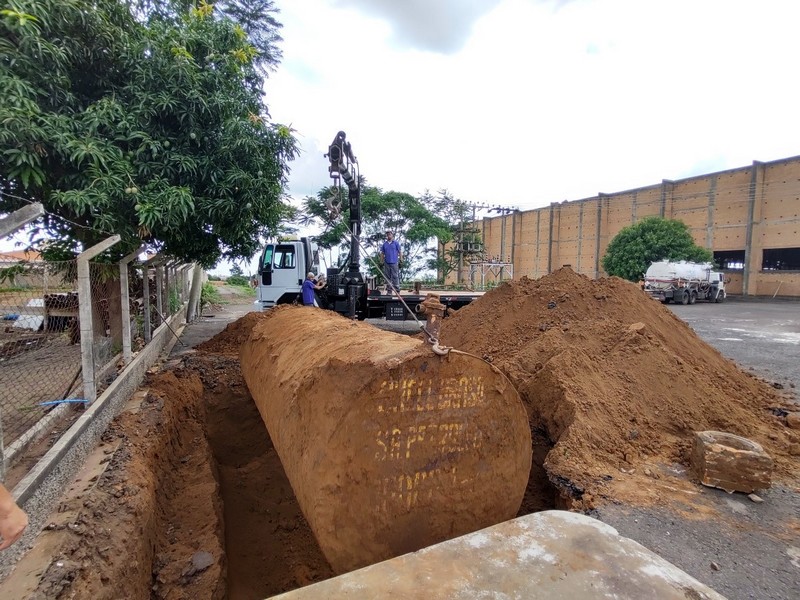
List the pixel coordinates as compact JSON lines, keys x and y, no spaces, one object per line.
{"x":381,"y":304}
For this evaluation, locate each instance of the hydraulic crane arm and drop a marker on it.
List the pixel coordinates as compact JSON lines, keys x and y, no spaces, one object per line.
{"x":343,"y":164}
{"x":343,"y":161}
{"x":344,"y":167}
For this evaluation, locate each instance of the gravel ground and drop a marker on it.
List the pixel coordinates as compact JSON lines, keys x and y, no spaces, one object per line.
{"x":758,"y":335}
{"x":752,"y":551}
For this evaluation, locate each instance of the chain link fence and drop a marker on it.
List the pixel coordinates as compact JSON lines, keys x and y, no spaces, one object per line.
{"x":44,"y":349}
{"x":40,"y":354}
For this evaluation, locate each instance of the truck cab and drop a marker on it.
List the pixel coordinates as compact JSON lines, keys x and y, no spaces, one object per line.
{"x":281,"y":270}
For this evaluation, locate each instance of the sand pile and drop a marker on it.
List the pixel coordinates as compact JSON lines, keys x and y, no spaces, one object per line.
{"x":614,"y":379}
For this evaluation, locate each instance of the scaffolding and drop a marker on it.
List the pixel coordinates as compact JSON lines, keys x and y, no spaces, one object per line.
{"x":497,"y":269}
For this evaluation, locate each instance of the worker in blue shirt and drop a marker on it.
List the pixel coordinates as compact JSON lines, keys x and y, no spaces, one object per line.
{"x":310,"y":285}
{"x":391,"y":255}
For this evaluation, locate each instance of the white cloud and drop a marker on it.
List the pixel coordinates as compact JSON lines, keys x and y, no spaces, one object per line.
{"x":439,"y":26}
{"x":537,"y":102}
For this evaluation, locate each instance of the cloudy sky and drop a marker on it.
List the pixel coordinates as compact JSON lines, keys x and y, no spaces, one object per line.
{"x":527,"y":102}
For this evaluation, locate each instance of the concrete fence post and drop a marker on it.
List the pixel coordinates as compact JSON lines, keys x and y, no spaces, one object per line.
{"x":194,"y":294}
{"x":160,"y":291}
{"x":85,"y":315}
{"x":148,"y":333}
{"x":146,"y":300}
{"x":19,"y":218}
{"x":127,"y":353}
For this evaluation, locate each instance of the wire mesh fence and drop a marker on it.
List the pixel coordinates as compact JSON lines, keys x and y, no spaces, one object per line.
{"x":40,"y":355}
{"x":48,"y":340}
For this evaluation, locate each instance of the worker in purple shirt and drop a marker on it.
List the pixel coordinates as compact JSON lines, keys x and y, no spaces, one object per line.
{"x":310,"y":285}
{"x":391,"y":255}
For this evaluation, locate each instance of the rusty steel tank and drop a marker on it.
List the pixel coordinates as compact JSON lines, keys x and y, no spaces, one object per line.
{"x":388,"y":446}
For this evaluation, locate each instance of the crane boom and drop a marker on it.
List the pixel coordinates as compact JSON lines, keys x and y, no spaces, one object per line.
{"x":344,"y":166}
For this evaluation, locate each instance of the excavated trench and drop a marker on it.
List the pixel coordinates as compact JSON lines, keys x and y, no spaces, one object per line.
{"x":262,"y":543}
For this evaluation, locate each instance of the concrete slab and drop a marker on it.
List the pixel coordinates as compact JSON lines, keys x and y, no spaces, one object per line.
{"x":551,"y":554}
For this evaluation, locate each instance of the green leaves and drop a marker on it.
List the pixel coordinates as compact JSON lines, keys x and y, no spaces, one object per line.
{"x":413,"y":223}
{"x":153,"y":129}
{"x":22,"y":19}
{"x":634,"y":248}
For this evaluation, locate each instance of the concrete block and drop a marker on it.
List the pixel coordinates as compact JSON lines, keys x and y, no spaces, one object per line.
{"x":550,"y":554}
{"x":730,"y":462}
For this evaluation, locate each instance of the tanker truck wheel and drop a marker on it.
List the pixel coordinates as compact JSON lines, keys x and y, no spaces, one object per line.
{"x":692,"y":297}
{"x":685,"y":298}
{"x":720,"y":297}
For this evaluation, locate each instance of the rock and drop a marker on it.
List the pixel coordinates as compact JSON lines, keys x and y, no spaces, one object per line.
{"x":201,"y":560}
{"x":637,"y":328}
{"x":756,"y":499}
{"x":714,"y":566}
{"x":794,"y":449}
{"x":730,"y":462}
{"x":793,"y":420}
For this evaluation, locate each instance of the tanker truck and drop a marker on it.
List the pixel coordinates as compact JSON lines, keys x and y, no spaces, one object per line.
{"x":684,"y":282}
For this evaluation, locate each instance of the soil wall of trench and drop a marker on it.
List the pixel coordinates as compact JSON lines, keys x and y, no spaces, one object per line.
{"x":191,"y":502}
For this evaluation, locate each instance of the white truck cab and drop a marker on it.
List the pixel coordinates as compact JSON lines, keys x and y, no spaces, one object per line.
{"x":282,"y":268}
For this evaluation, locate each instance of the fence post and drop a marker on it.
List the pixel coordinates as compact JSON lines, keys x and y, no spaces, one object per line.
{"x":167,"y":283}
{"x":19,"y":218}
{"x":85,"y":315}
{"x":146,"y":289}
{"x":127,"y":353}
{"x":194,"y":293}
{"x":160,"y":291}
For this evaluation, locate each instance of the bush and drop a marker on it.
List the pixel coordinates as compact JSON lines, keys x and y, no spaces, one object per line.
{"x":239,"y":280}
{"x":208,"y":295}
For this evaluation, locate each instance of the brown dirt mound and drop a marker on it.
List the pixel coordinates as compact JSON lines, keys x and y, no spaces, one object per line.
{"x":614,"y":379}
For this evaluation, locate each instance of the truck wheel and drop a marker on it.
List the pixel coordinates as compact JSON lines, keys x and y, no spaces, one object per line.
{"x":685,"y":298}
{"x":720,"y":297}
{"x":692,"y":298}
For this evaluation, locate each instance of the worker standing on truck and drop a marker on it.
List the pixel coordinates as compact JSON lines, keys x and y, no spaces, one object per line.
{"x":310,"y":285}
{"x":391,"y":255}
{"x":13,"y":520}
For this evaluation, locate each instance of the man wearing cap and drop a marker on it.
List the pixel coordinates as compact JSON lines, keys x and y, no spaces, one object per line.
{"x":391,"y":255}
{"x":310,"y":285}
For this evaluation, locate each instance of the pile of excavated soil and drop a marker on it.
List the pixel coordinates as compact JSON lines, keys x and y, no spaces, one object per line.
{"x":616,"y":381}
{"x":229,"y":341}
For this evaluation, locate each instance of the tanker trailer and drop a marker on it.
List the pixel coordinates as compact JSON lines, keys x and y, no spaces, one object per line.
{"x":684,"y":282}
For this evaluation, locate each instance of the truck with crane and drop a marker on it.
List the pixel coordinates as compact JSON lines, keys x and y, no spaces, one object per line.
{"x":284,"y":264}
{"x":684,"y":282}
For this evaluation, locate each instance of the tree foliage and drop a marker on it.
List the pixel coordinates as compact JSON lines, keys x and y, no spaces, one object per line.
{"x":459,"y":217}
{"x":414,"y":225}
{"x":255,"y":17}
{"x":150,"y":126}
{"x":634,"y":248}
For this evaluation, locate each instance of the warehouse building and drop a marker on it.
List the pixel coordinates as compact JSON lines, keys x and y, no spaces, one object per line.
{"x":749,"y":217}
